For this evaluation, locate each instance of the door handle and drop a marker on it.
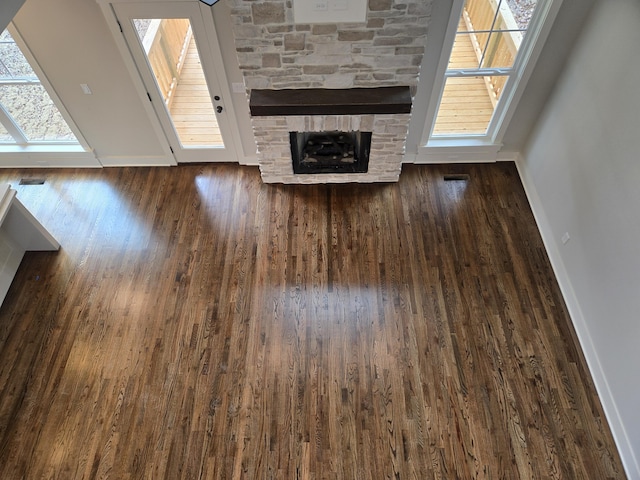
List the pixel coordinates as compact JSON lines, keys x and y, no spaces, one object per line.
{"x":219,"y":109}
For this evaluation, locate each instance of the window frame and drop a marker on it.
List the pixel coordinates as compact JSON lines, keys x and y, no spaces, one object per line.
{"x":22,"y":143}
{"x":489,"y":143}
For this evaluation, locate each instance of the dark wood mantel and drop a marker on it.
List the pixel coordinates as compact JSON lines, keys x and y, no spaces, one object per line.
{"x":326,"y":101}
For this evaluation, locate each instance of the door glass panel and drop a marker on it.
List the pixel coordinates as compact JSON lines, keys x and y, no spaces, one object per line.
{"x":172,"y":54}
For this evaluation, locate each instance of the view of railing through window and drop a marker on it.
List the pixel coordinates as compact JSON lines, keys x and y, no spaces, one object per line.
{"x":173,"y":57}
{"x":488,"y":39}
{"x":28,"y":115}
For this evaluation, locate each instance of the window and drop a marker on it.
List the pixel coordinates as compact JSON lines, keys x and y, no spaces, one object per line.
{"x":28,"y":115}
{"x":492,"y":45}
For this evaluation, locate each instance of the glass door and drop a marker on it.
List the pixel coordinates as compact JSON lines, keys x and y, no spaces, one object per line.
{"x":169,"y":45}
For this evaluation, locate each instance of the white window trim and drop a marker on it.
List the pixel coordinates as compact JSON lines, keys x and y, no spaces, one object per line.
{"x":483,"y":147}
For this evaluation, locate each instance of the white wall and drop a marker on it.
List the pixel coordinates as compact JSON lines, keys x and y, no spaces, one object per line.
{"x":582,"y":173}
{"x":558,"y":47}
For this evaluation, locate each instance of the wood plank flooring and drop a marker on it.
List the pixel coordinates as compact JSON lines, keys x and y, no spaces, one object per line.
{"x":200,"y":324}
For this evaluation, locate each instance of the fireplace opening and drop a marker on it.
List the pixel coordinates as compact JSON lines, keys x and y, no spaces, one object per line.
{"x":330,"y":152}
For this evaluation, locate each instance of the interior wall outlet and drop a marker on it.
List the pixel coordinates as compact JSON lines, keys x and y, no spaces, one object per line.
{"x":565,"y":238}
{"x":85,"y":89}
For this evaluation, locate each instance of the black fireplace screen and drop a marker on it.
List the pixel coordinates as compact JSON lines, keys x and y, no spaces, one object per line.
{"x":330,"y":152}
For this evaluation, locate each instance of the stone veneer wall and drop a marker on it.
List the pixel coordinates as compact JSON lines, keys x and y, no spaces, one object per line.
{"x":385,"y":160}
{"x":275,"y":53}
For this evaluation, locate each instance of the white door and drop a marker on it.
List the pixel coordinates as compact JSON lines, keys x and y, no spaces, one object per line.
{"x":174,"y":48}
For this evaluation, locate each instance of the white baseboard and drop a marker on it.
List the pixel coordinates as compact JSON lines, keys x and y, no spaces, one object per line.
{"x":508,"y":157}
{"x":249,"y":161}
{"x":580,"y":326}
{"x":49,"y":160}
{"x":454,"y":154}
{"x":89,"y":160}
{"x":147,"y":161}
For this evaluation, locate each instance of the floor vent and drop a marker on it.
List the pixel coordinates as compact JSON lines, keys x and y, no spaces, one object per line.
{"x":456,"y":177}
{"x":32,"y":181}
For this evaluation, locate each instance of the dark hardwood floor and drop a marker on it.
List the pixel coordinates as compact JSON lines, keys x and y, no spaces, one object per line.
{"x":199,"y":324}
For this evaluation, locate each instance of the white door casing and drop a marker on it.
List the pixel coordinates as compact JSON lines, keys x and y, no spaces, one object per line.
{"x":120,"y":16}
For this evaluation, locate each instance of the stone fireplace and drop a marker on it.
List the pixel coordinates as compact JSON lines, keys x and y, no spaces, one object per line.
{"x":291,"y":61}
{"x":382,"y":112}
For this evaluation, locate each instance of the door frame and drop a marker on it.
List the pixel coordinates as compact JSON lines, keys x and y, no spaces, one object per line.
{"x":213,"y":67}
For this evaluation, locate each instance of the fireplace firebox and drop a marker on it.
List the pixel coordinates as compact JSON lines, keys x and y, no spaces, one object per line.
{"x":330,"y":152}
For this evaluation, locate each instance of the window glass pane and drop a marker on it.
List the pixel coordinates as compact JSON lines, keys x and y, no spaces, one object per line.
{"x":501,"y":49}
{"x":466,"y":107}
{"x":465,"y":24}
{"x":4,"y":136}
{"x":522,"y":11}
{"x":478,"y":15}
{"x":12,"y":61}
{"x":34,"y":111}
{"x":495,"y":86}
{"x":495,"y":30}
{"x":465,"y":53}
{"x":26,"y":100}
